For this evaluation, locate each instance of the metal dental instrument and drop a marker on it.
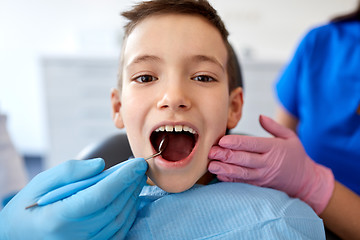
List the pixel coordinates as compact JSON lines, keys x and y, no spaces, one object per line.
{"x":161,"y":148}
{"x":70,"y":189}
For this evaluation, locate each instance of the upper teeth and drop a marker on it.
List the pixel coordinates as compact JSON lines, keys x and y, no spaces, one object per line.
{"x":176,"y":128}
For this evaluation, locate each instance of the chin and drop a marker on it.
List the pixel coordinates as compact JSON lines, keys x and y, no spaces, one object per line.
{"x":173,"y":184}
{"x":175,"y":189}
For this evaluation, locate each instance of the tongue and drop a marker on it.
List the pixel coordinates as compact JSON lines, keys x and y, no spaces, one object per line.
{"x":179,"y":146}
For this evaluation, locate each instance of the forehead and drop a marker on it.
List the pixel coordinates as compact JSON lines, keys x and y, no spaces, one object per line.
{"x":175,"y":33}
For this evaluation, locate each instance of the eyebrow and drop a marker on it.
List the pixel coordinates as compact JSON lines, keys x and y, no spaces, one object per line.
{"x":195,"y":58}
{"x":144,"y":58}
{"x":204,"y":58}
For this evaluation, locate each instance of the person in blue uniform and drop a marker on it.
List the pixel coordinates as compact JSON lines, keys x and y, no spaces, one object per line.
{"x":319,"y":93}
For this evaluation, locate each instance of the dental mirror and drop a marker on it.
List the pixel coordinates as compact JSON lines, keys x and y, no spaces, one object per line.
{"x":161,"y":148}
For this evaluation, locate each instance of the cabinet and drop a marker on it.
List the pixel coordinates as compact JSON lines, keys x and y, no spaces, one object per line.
{"x":78,"y":109}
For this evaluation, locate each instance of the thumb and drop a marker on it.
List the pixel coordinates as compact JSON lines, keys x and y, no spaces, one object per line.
{"x":275,"y":128}
{"x":65,"y":173}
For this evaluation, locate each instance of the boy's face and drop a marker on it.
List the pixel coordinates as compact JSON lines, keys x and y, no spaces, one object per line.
{"x":175,"y":84}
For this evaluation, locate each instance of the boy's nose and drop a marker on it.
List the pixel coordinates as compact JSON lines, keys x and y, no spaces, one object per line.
{"x":175,"y":98}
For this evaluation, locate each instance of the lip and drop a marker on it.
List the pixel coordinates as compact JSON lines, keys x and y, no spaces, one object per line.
{"x":161,"y":162}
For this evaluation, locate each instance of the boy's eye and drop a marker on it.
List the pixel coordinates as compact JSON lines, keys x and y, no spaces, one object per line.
{"x":203,"y":78}
{"x":145,"y":78}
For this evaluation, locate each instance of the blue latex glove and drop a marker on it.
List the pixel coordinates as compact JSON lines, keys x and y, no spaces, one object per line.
{"x":103,"y":211}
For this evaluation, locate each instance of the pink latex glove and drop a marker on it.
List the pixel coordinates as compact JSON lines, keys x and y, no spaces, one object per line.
{"x":280,"y":163}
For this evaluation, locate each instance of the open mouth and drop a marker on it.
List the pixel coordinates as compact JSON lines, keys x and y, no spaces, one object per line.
{"x":181,"y":141}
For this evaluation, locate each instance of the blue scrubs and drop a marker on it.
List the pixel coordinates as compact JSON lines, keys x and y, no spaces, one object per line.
{"x":224,"y":211}
{"x":321,"y":88}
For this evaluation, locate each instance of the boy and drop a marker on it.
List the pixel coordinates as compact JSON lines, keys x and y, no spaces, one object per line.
{"x":176,"y":80}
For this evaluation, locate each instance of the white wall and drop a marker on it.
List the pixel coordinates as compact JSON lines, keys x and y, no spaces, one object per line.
{"x":266,"y":30}
{"x":31,"y":29}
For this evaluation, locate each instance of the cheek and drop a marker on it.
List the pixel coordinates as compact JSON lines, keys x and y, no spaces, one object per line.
{"x":133,"y":112}
{"x":215,"y":114}
{"x":134,"y":105}
{"x":128,"y":108}
{"x":217,"y":111}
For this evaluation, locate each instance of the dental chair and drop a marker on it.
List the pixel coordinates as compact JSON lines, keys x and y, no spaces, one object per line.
{"x":113,"y":149}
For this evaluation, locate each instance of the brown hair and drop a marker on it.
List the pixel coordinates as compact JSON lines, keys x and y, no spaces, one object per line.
{"x":352,"y":16}
{"x":200,"y":7}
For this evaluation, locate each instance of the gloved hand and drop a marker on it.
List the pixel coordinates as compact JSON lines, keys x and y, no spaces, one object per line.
{"x":280,"y":163}
{"x":104,"y":210}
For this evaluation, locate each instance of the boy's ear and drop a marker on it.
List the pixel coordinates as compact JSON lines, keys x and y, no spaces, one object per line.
{"x":116,"y":105}
{"x":235,"y":107}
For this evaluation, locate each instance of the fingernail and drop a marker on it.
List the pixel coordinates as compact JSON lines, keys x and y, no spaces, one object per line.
{"x":95,"y":161}
{"x":223,"y":142}
{"x":213,"y":168}
{"x":212,"y":153}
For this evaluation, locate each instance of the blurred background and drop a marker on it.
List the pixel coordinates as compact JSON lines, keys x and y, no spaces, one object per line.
{"x":58,"y":61}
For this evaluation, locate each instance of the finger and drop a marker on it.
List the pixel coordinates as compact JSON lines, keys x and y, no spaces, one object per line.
{"x":117,"y":219}
{"x":105,"y":191}
{"x":65,"y":173}
{"x":246,"y":143}
{"x":121,"y":234}
{"x":240,"y":158}
{"x":229,"y":179}
{"x":275,"y":128}
{"x":233,"y":171}
{"x":106,"y":215}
